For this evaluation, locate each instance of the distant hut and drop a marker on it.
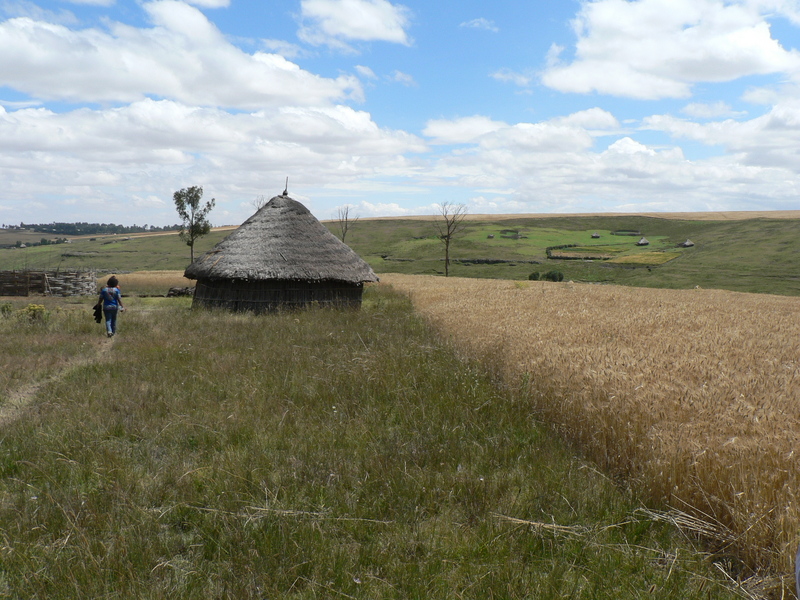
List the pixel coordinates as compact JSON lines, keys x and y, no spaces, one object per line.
{"x":687,"y":244}
{"x":595,"y":235}
{"x":281,"y":257}
{"x":643,"y":242}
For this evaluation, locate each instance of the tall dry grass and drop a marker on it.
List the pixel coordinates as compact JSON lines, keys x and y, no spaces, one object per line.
{"x":148,"y":282}
{"x":692,"y":396}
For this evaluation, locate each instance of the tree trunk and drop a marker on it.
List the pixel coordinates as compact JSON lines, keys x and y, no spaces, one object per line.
{"x":447,"y":257}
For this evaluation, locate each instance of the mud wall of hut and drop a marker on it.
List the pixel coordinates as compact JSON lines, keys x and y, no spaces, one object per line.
{"x":271,"y":295}
{"x":51,"y":283}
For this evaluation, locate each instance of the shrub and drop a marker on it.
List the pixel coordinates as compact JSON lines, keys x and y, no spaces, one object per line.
{"x":534,"y":276}
{"x":553,"y":276}
{"x":6,"y":308}
{"x":35,"y":313}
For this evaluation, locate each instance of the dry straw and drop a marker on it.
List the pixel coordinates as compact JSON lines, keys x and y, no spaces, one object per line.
{"x":691,"y":396}
{"x":149,"y":280}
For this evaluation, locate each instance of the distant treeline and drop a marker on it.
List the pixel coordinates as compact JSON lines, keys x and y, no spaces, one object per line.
{"x":90,"y":228}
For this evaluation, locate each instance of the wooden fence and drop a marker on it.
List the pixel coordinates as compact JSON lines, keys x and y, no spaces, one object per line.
{"x":50,"y":283}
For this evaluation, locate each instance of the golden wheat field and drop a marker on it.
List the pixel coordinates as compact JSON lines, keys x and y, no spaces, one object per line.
{"x":690,"y":396}
{"x":149,"y":281}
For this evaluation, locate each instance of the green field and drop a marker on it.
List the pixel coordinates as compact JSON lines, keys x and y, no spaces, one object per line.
{"x":111,"y":253}
{"x":755,"y":255}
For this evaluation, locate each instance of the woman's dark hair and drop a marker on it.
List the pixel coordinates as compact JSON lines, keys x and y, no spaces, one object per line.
{"x":113,"y":281}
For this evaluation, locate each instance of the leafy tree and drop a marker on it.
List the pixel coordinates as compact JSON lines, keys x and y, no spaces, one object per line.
{"x":450,"y":225}
{"x":195,"y":224}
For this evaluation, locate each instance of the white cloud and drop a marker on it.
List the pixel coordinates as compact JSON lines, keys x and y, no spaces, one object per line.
{"x":163,"y":122}
{"x":150,"y":148}
{"x":366,"y":72}
{"x":481,"y":23}
{"x":590,"y":119}
{"x":496,"y":205}
{"x":206,"y":3}
{"x":336,"y":22}
{"x":538,"y":138}
{"x":460,"y":131}
{"x":509,"y":76}
{"x":569,"y":132}
{"x":554,"y":55}
{"x":26,"y":9}
{"x":650,"y":49}
{"x":404,"y":78}
{"x":282,"y":47}
{"x":183,"y":57}
{"x":786,"y":8}
{"x":629,"y":147}
{"x":392,"y":209}
{"x":15,"y":104}
{"x":762,"y":95}
{"x":148,"y":202}
{"x":554,"y":166}
{"x":701,"y":110}
{"x":769,"y":140}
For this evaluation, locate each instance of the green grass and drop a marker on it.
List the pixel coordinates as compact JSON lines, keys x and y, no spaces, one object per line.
{"x":111,"y":253}
{"x":312,"y":454}
{"x":756,"y":255}
{"x":33,"y":346}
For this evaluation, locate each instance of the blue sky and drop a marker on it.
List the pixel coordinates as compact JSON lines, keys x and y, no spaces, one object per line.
{"x":107,"y":106}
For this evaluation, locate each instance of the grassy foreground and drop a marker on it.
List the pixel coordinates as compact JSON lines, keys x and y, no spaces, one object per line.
{"x":315,"y":454}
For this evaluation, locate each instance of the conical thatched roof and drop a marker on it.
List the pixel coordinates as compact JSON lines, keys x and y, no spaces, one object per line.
{"x":282,"y":241}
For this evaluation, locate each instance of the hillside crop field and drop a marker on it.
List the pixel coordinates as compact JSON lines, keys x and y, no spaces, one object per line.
{"x":748,"y":255}
{"x":308,"y":454}
{"x":690,"y":397}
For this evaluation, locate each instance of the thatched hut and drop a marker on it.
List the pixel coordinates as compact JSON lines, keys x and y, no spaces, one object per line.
{"x":281,"y":257}
{"x":643,"y":242}
{"x":687,"y":244}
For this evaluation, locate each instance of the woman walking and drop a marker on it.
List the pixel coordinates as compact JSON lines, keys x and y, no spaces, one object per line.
{"x":111,"y":298}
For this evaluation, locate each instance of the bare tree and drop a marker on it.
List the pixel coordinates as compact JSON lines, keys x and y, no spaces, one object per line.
{"x":449,"y":226}
{"x":259,"y":202}
{"x":345,"y":220}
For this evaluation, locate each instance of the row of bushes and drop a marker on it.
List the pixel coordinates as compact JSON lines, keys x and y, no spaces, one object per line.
{"x":42,"y":242}
{"x":549,"y":250}
{"x":35,"y":313}
{"x":549,"y":276}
